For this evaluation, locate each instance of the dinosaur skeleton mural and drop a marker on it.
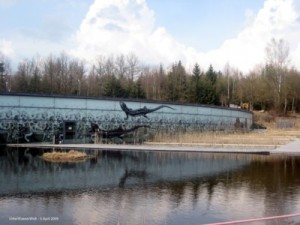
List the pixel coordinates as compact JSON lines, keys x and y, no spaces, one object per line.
{"x":118,"y":133}
{"x":65,"y":124}
{"x":44,"y":126}
{"x":142,"y":111}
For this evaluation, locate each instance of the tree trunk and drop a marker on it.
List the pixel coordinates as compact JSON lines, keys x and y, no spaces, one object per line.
{"x":285,"y":105}
{"x":293,"y":105}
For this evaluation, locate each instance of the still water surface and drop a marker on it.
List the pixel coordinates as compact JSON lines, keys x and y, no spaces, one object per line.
{"x":147,"y":188}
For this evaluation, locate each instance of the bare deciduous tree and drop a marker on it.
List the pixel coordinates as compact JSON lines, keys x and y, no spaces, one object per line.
{"x":277,"y":53}
{"x":133,"y":65}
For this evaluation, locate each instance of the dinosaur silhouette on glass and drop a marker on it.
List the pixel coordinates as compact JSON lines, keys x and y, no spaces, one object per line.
{"x":137,"y":174}
{"x":118,"y":133}
{"x":140,"y":112}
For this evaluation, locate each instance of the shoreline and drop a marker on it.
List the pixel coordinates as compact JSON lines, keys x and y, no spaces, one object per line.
{"x":291,"y":148}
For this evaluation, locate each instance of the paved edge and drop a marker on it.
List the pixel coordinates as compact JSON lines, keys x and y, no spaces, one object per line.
{"x":155,"y":148}
{"x":292,"y":148}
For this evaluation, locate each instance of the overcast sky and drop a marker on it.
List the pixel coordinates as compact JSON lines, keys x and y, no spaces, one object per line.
{"x":157,"y":31}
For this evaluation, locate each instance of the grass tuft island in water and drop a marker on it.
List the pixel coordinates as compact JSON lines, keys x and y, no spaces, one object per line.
{"x":71,"y":156}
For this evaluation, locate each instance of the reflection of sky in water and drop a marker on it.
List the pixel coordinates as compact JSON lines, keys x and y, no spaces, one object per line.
{"x":260,"y":186}
{"x":149,"y":206}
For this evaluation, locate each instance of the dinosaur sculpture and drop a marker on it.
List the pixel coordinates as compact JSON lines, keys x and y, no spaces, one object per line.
{"x":119,"y":132}
{"x":140,"y":112}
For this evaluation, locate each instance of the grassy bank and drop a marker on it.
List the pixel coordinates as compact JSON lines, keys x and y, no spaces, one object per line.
{"x":279,"y":131}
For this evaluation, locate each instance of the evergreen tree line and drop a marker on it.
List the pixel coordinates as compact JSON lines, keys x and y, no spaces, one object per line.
{"x":271,"y":86}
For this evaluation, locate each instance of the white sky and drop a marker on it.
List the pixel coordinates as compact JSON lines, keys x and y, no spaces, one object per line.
{"x":207,"y":32}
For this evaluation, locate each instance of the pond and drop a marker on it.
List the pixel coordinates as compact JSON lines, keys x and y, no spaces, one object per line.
{"x":127,"y":187}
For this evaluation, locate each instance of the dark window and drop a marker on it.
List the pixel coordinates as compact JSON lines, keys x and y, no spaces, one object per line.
{"x":70,"y":129}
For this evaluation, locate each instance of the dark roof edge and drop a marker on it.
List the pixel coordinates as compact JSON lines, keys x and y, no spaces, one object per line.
{"x":119,"y":99}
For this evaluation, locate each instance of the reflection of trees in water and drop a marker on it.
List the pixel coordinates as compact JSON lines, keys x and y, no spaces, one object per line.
{"x":275,"y":178}
{"x":18,"y":160}
{"x":123,"y":168}
{"x":25,"y":160}
{"x":272,"y":175}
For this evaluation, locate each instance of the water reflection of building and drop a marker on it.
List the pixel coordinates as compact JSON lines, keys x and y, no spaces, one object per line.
{"x":22,"y":168}
{"x":257,"y":186}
